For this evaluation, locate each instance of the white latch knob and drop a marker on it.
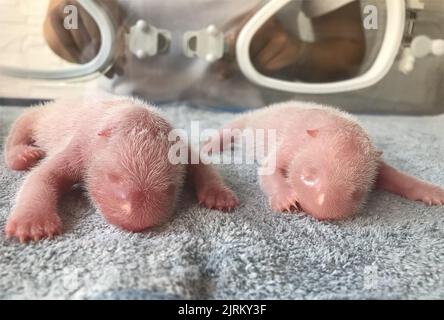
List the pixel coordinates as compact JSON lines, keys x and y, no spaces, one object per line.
{"x":422,"y":46}
{"x":142,"y":25}
{"x":207,"y":44}
{"x":438,"y":47}
{"x":407,"y":61}
{"x":146,"y":40}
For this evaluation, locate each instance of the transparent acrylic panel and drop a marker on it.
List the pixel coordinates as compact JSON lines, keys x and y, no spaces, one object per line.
{"x":301,"y":43}
{"x":175,"y":77}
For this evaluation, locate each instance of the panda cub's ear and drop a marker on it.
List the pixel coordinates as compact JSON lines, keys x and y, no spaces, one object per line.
{"x":107,"y":131}
{"x":313,"y":133}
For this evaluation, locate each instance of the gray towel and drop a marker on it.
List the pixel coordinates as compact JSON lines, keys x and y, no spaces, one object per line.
{"x":393,"y":250}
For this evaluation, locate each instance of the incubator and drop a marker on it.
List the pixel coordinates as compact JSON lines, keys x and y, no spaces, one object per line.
{"x":324,"y":60}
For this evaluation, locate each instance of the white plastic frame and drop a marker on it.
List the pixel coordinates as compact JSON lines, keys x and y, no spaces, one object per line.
{"x":396,"y":12}
{"x":100,"y":62}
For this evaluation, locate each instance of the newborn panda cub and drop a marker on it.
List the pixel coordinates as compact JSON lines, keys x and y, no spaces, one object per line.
{"x":325,"y":163}
{"x":118,"y":149}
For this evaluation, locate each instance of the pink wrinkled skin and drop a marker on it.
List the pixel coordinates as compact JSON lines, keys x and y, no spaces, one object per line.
{"x":118,"y":149}
{"x":326,"y":163}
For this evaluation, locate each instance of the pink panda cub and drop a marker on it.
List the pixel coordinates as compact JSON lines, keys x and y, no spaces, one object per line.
{"x":324,"y":162}
{"x":117,"y":148}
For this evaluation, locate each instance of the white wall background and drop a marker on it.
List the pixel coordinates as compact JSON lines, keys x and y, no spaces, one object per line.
{"x":21,"y":24}
{"x":22,"y":44}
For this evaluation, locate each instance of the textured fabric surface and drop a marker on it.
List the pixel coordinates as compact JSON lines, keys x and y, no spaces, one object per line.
{"x":393,"y":249}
